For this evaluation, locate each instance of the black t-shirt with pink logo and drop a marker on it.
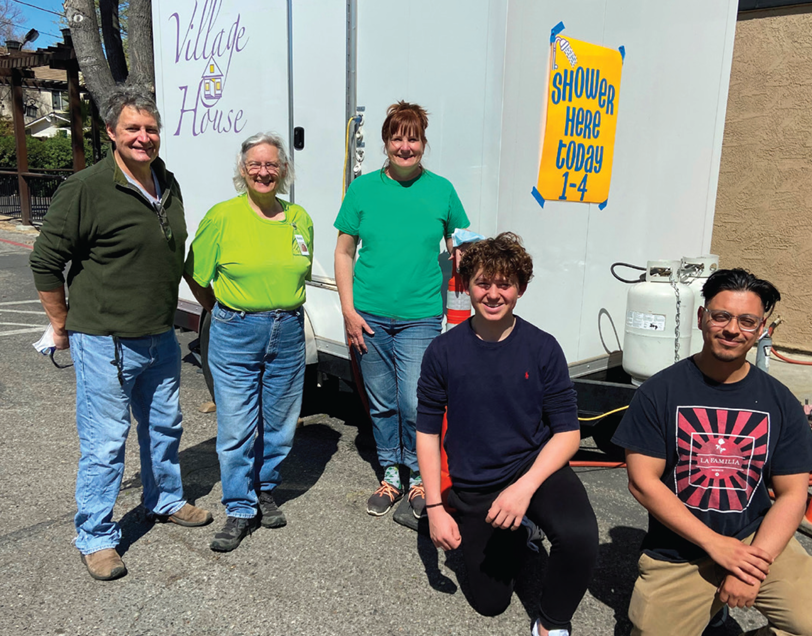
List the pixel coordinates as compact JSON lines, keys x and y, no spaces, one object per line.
{"x":721,"y":444}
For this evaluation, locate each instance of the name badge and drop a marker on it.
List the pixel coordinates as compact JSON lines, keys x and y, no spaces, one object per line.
{"x":302,"y":245}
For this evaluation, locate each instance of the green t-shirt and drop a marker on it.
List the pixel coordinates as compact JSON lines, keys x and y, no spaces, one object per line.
{"x":253,"y":264}
{"x":400,"y":225}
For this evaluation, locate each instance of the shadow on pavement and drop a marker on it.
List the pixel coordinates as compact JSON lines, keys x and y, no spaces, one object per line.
{"x":344,"y":404}
{"x":313,"y":447}
{"x":430,"y":558}
{"x":616,"y":573}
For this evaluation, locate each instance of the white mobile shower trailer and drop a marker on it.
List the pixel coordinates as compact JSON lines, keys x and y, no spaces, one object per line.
{"x":226,"y":69}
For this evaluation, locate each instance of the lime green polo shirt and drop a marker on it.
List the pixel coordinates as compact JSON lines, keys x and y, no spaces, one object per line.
{"x":253,"y":264}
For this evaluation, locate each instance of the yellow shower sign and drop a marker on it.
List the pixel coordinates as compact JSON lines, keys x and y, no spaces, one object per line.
{"x":578,"y":139}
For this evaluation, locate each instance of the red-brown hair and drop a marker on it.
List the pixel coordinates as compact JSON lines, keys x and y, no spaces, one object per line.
{"x":410,"y":118}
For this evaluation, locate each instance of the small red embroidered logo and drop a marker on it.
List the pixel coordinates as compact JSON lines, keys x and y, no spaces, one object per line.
{"x":527,"y":375}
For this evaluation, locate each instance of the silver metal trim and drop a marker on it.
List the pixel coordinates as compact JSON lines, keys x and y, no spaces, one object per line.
{"x":338,"y":349}
{"x":323,"y":283}
{"x":593,"y":365}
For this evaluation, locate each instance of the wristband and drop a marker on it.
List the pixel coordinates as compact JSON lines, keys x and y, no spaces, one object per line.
{"x":434,"y":505}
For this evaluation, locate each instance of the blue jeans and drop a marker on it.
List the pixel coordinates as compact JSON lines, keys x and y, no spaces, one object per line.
{"x":144,"y":375}
{"x":391,"y":368}
{"x":257,"y":362}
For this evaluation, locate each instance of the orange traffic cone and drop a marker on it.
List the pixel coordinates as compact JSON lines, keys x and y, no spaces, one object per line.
{"x":458,"y":303}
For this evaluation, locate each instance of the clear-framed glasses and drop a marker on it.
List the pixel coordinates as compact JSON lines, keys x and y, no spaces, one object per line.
{"x":255,"y":167}
{"x":747,"y":322}
{"x":163,"y":220}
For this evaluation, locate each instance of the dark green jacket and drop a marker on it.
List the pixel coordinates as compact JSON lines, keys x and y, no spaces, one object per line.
{"x":124,"y":274}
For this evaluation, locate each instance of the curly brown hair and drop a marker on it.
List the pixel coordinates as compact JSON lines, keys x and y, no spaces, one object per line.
{"x":504,"y":256}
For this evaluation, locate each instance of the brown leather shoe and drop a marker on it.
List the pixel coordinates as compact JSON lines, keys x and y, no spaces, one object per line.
{"x":104,"y":565}
{"x":190,"y":516}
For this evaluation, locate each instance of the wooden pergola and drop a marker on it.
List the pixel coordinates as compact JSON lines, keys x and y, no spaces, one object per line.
{"x":17,"y":69}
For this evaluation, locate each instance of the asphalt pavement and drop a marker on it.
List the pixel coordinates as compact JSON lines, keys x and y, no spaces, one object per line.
{"x":332,"y":570}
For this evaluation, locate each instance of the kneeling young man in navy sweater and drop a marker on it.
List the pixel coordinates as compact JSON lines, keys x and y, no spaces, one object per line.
{"x":512,"y":428}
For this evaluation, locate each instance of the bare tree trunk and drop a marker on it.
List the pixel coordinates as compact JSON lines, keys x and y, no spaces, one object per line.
{"x":139,"y":34}
{"x":113,"y":46}
{"x":84,"y":29}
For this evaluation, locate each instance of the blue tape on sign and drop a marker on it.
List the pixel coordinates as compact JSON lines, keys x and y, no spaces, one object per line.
{"x":601,"y":206}
{"x":558,"y":28}
{"x":622,"y":50}
{"x":537,"y":196}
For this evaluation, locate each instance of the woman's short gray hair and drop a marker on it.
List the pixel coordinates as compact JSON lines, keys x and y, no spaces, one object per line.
{"x":271,"y":139}
{"x":123,"y":96}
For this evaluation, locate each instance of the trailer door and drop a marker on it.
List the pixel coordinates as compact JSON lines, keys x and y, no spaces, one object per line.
{"x":319,"y":29}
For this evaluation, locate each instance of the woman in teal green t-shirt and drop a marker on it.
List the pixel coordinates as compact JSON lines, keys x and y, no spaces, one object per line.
{"x":392,"y":301}
{"x":248,"y":265}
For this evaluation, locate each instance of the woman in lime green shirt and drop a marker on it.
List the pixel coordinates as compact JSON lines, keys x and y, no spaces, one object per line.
{"x":248,"y":265}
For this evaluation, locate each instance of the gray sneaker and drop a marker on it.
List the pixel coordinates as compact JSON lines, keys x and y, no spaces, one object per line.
{"x":270,"y":514}
{"x":232,"y":534}
{"x":417,"y":500}
{"x":383,"y":499}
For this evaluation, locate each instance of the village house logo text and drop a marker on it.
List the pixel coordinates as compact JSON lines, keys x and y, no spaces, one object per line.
{"x":200,"y":38}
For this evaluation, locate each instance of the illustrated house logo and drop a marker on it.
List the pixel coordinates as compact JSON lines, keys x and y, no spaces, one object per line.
{"x":212,"y":80}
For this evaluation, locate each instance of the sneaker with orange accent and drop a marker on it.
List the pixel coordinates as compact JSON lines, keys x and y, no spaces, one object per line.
{"x":383,"y":499}
{"x":417,"y":500}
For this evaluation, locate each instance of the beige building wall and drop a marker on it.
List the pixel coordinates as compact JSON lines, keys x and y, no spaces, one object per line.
{"x":763,"y":218}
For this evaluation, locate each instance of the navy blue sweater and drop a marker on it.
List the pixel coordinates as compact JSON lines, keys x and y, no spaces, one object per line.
{"x":505,"y":400}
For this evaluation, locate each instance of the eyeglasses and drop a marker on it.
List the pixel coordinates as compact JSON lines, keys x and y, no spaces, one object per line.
{"x":57,"y":364}
{"x":255,"y":167}
{"x":747,"y":322}
{"x":165,"y":227}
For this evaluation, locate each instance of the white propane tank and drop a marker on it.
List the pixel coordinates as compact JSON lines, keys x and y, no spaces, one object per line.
{"x":695,"y":272}
{"x":651,"y":313}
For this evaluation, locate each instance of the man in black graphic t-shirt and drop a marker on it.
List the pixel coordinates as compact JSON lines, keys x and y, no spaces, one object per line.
{"x":704,"y":441}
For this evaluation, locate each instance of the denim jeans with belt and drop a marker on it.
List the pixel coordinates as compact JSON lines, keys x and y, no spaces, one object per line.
{"x":257,"y":362}
{"x":112,"y":377}
{"x":391,"y":368}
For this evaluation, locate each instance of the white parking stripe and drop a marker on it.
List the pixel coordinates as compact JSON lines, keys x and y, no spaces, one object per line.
{"x":21,"y":324}
{"x":22,"y":311}
{"x":18,"y":302}
{"x":19,"y":331}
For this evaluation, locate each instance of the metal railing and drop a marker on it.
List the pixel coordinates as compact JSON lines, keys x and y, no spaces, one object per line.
{"x":41,"y":187}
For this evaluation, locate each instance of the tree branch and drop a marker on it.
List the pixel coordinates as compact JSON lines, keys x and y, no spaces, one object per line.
{"x":113,"y":46}
{"x":139,"y":34}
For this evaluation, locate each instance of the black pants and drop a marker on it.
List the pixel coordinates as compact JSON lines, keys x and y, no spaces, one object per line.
{"x":493,"y":557}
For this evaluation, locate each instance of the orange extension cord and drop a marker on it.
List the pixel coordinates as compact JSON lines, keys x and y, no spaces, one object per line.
{"x":790,"y":360}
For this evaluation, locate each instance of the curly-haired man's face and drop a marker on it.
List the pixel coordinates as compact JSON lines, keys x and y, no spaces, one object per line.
{"x":494,"y":297}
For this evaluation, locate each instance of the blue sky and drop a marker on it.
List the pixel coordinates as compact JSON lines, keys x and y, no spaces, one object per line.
{"x":47,"y":24}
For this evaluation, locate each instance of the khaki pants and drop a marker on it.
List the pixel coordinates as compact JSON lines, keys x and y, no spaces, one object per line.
{"x":680,"y":598}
